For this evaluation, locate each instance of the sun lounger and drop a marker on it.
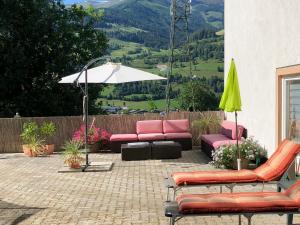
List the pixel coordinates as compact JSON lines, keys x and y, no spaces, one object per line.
{"x":247,"y":204}
{"x":270,"y":171}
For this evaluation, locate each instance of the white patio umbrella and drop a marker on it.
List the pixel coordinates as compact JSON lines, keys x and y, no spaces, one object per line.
{"x":112,"y":73}
{"x":108,"y":73}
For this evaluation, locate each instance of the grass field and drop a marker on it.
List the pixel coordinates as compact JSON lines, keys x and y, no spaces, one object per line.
{"x":160,"y":104}
{"x":139,"y":55}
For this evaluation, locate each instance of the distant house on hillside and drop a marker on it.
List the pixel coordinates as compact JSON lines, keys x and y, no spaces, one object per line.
{"x":264,"y":39}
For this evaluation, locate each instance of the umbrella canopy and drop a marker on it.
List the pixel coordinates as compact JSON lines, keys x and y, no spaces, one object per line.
{"x":113,"y":73}
{"x":231,"y":98}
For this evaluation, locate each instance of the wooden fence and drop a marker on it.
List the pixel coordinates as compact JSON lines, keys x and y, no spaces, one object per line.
{"x":10,"y":128}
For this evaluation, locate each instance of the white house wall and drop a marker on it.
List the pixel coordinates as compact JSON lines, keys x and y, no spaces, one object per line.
{"x":261,"y":35}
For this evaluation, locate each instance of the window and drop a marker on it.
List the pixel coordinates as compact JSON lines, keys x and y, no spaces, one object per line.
{"x":288,"y":103}
{"x":291,"y":108}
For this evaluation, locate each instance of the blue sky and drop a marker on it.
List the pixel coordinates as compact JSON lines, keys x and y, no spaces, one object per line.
{"x":80,"y":1}
{"x":72,"y":1}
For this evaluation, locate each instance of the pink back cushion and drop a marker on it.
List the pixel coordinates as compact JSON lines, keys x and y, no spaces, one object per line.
{"x":228,"y":128}
{"x":176,"y":126}
{"x":149,"y":126}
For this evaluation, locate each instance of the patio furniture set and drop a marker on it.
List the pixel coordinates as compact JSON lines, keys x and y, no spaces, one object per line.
{"x":154,"y":139}
{"x":154,"y":150}
{"x":275,"y":170}
{"x":227,"y":136}
{"x":159,"y":139}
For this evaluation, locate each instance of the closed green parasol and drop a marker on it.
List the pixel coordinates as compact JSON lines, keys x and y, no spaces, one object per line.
{"x":231,"y":99}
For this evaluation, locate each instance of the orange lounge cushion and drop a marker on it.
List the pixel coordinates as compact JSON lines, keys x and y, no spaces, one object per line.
{"x":212,"y":177}
{"x":123,"y":137}
{"x":178,"y":135}
{"x":235,"y":202}
{"x":294,"y":191}
{"x":151,"y":137}
{"x":279,"y":162}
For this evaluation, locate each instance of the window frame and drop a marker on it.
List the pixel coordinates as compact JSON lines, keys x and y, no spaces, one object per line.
{"x":282,"y":73}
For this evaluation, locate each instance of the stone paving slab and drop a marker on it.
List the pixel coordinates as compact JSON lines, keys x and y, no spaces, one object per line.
{"x":132,"y":193}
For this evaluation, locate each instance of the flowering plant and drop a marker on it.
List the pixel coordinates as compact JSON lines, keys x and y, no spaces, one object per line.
{"x":250,"y":149}
{"x":95,"y":134}
{"x":226,"y":155}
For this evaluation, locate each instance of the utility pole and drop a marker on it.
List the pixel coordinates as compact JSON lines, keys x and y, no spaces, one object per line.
{"x":180,"y":11}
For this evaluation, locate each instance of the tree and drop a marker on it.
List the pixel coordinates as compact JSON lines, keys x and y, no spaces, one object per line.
{"x":41,"y":41}
{"x":199,"y":94}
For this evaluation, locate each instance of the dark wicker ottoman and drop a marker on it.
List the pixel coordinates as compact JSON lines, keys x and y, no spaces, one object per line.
{"x":165,"y":150}
{"x":136,"y":151}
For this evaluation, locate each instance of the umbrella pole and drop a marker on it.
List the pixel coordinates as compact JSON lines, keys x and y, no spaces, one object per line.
{"x":85,"y":111}
{"x":237,"y":143}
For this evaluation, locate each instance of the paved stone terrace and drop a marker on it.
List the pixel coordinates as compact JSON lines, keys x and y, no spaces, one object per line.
{"x":32,"y":192}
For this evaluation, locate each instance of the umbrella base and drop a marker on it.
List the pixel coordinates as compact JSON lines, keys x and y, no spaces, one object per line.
{"x":92,"y":167}
{"x":98,"y":167}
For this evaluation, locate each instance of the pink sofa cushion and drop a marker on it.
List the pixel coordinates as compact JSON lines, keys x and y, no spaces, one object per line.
{"x":175,"y":126}
{"x":149,"y":126}
{"x":216,"y":140}
{"x":228,"y":128}
{"x":151,"y":137}
{"x":218,"y":144}
{"x":123,"y":137}
{"x":178,"y":135}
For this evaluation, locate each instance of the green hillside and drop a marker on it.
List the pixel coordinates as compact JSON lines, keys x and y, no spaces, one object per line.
{"x":148,"y":21}
{"x":139,"y":37}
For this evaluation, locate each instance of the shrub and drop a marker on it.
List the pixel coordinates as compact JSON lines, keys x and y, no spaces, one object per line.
{"x":95,"y":134}
{"x":207,"y":124}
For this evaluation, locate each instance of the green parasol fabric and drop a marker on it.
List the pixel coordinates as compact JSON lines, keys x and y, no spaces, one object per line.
{"x":231,"y":98}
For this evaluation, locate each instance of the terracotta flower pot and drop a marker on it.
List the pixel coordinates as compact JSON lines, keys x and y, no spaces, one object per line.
{"x":33,"y":154}
{"x":49,"y":149}
{"x":75,"y":165}
{"x":244,"y":164}
{"x":26,"y":150}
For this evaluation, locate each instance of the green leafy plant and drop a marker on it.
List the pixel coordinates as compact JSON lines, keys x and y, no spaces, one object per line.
{"x":72,"y":154}
{"x":47,"y":129}
{"x":209,"y":123}
{"x":30,"y":132}
{"x":37,"y":146}
{"x":31,"y":138}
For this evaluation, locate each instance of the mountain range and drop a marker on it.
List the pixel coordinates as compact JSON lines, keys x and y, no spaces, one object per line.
{"x":148,"y":21}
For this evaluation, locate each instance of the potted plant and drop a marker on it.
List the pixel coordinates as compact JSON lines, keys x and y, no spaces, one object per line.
{"x":72,"y":154}
{"x":226,"y":156}
{"x":93,"y":137}
{"x":32,"y":143}
{"x":47,"y":130}
{"x":207,"y":124}
{"x":37,"y":147}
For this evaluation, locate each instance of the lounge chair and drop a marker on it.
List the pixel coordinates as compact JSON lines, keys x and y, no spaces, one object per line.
{"x":246,"y":204}
{"x":270,"y":172}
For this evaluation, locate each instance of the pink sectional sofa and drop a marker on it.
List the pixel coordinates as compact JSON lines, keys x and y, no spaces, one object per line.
{"x":155,"y":130}
{"x":227,"y":136}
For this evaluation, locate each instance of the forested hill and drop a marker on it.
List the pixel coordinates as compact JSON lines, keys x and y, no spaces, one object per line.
{"x":148,"y":21}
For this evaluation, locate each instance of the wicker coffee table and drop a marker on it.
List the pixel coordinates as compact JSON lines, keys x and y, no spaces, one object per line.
{"x":165,"y":150}
{"x":136,"y":151}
